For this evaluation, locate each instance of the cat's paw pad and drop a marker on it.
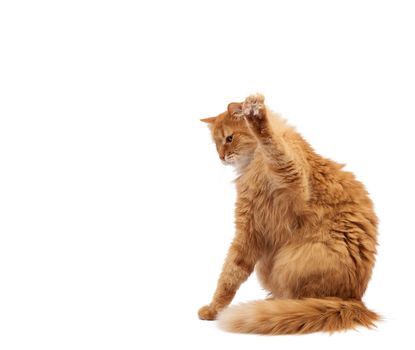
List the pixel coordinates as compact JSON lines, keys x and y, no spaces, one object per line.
{"x":207,"y":313}
{"x":253,"y":106}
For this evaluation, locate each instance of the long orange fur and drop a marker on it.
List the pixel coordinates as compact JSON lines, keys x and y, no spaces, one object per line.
{"x":307,"y":227}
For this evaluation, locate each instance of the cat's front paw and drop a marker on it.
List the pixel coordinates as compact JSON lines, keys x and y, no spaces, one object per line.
{"x":253,"y":106}
{"x":207,"y":313}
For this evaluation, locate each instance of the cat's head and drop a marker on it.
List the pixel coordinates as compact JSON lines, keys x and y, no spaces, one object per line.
{"x":235,"y":144}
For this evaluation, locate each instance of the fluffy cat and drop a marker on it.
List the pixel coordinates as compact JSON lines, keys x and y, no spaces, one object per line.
{"x":307,"y":227}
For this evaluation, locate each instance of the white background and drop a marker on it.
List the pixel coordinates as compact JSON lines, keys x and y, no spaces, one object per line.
{"x":115,"y":211}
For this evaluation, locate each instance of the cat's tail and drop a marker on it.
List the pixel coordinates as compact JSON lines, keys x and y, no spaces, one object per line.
{"x":296,"y":316}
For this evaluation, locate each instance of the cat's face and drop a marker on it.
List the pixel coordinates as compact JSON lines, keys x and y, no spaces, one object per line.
{"x":234,"y":142}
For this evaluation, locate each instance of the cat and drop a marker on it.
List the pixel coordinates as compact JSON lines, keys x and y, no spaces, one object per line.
{"x":306,"y":226}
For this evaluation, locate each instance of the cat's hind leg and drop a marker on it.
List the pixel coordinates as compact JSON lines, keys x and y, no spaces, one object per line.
{"x":313,"y":270}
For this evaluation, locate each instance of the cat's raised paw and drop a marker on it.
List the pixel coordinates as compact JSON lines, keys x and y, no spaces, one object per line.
{"x":253,"y":106}
{"x":207,"y":313}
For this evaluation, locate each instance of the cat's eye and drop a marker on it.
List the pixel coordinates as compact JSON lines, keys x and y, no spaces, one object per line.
{"x":229,"y":139}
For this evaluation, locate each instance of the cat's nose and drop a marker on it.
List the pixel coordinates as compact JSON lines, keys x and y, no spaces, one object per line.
{"x":222,"y":156}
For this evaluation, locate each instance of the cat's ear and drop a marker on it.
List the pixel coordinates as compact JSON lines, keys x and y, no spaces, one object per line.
{"x":234,"y":109}
{"x":209,"y":120}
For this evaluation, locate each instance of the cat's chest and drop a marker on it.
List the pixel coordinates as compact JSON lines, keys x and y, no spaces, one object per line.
{"x":262,"y":204}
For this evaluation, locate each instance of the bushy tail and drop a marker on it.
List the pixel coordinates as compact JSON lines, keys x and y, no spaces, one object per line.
{"x":296,"y":316}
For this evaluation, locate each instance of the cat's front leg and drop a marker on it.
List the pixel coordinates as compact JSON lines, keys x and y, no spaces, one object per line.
{"x":239,"y":264}
{"x":274,"y":144}
{"x":255,"y":114}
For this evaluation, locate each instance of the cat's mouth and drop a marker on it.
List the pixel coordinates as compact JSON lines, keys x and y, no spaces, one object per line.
{"x":230,"y":159}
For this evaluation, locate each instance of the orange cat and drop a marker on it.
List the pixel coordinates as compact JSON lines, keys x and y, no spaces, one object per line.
{"x":307,"y":226}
